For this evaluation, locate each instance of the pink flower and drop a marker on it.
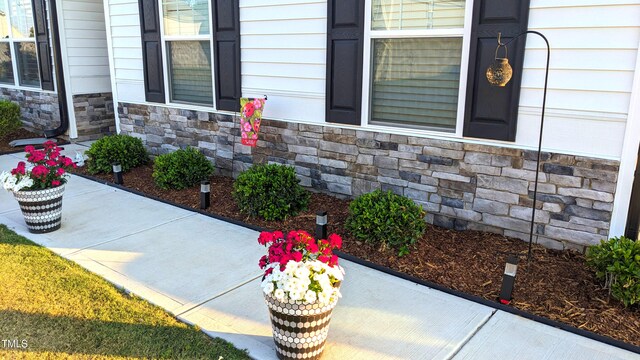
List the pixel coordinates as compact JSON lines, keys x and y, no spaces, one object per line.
{"x":335,"y":241}
{"x":60,"y":171}
{"x":254,"y":136}
{"x":296,"y":256}
{"x":20,"y":169}
{"x":51,"y":163}
{"x":55,"y":183}
{"x":248,"y":109}
{"x":244,"y":135}
{"x":247,"y":126}
{"x":36,"y":156}
{"x":49,"y":144}
{"x":29,"y":149}
{"x":312,"y":248}
{"x":265,"y":238}
{"x":263,"y":262}
{"x":278,"y":234}
{"x":333,"y":261}
{"x":257,"y":103}
{"x":67,"y":161}
{"x":40,"y":171}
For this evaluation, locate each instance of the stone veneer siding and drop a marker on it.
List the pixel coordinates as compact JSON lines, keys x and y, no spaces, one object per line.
{"x":39,"y":109}
{"x":94,"y":115}
{"x":461,"y":185}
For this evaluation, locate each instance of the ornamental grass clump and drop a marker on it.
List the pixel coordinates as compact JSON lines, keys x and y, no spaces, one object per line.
{"x":46,"y":169}
{"x":387,"y":220}
{"x":617,"y":262}
{"x":126,"y":150}
{"x":181,"y":169}
{"x":300,"y":268}
{"x":272,"y":192}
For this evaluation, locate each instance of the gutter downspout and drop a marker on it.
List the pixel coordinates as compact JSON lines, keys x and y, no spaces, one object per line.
{"x":62,"y":92}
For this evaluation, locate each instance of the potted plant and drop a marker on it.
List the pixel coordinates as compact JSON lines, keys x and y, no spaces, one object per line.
{"x":301,"y":286}
{"x":39,"y":186}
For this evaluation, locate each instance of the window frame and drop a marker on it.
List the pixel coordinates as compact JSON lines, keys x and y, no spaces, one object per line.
{"x":165,"y":60}
{"x":12,"y":49}
{"x":370,"y":35}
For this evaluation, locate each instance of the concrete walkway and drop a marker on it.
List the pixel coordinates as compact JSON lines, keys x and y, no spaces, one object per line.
{"x":205,"y":272}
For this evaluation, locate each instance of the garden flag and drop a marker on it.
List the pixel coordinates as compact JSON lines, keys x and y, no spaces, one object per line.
{"x":250,"y":118}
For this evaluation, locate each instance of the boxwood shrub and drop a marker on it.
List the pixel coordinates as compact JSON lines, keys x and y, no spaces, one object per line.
{"x":272,"y":192}
{"x":386,"y":219}
{"x":127,"y":150}
{"x":617,"y":262}
{"x":9,"y":117}
{"x":181,"y":169}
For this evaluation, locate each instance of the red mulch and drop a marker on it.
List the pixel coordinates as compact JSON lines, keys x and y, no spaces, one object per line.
{"x":557,"y":284}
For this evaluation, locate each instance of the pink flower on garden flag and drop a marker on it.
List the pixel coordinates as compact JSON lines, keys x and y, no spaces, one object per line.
{"x":251,"y":117}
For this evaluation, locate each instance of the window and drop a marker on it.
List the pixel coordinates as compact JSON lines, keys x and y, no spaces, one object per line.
{"x":18,"y":57}
{"x":187,"y":45}
{"x":415,"y":63}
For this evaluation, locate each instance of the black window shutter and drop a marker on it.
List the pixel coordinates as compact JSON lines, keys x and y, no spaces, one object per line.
{"x":345,"y":40}
{"x":41,"y":32}
{"x":492,"y":112}
{"x":226,"y":38}
{"x":151,"y":51}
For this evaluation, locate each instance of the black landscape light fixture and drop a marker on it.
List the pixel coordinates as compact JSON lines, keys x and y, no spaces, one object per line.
{"x":321,"y":225}
{"x":205,"y":194}
{"x":117,"y":173}
{"x":508,"y":279}
{"x":498,"y":74}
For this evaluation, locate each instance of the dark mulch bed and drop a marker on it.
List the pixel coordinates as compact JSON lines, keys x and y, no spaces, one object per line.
{"x":17,"y":135}
{"x":556,"y":285}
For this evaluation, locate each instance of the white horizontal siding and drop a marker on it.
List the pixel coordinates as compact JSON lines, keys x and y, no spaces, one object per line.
{"x":283,"y":51}
{"x":284,"y":56}
{"x":127,"y":50}
{"x":594,"y":45}
{"x":85,"y":39}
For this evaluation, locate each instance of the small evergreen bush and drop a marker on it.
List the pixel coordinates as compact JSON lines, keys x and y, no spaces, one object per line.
{"x":9,"y":117}
{"x":617,"y":262}
{"x":386,"y":219}
{"x":127,"y":150}
{"x":181,"y":169}
{"x":270,"y":191}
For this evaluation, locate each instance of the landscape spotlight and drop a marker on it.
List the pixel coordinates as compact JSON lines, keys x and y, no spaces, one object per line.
{"x":321,"y":225}
{"x":205,"y":194}
{"x":117,"y":173}
{"x":508,"y":279}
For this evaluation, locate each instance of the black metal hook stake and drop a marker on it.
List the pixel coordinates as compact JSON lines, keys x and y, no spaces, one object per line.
{"x":544,"y":103}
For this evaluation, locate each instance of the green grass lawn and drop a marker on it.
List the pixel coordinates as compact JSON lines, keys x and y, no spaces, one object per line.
{"x":58,"y":310}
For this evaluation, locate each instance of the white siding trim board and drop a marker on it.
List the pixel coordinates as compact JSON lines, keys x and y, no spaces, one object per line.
{"x":628,"y":159}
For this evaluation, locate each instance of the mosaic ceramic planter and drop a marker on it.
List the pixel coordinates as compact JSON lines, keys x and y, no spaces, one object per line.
{"x":42,"y":209}
{"x":299,"y":330}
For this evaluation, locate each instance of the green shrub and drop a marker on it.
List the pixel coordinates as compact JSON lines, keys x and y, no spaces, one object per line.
{"x":9,"y":117}
{"x":127,"y":150}
{"x":181,"y":169}
{"x":386,"y":219}
{"x":617,"y":261}
{"x":270,"y":191}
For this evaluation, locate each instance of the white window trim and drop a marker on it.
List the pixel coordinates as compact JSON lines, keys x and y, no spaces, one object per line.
{"x":165,"y":63}
{"x":369,"y":35}
{"x":14,"y":59}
